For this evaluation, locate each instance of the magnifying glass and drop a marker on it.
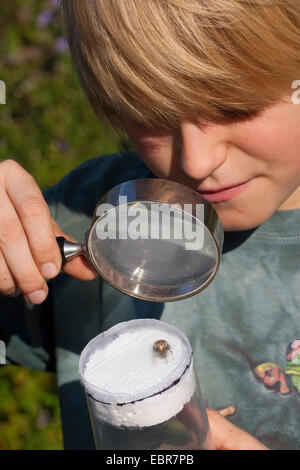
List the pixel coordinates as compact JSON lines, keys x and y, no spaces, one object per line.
{"x":153,"y":239}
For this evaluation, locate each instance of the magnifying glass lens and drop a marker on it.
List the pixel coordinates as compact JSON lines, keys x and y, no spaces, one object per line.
{"x":153,"y":250}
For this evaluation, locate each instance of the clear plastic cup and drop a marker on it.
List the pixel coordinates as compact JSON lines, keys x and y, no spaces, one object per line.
{"x":142,"y":390}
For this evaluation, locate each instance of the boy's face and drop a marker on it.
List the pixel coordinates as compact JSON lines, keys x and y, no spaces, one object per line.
{"x":259,"y":159}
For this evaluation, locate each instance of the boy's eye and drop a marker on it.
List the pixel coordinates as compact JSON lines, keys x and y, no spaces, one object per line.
{"x":149,"y":128}
{"x":229,"y":116}
{"x":141,"y":125}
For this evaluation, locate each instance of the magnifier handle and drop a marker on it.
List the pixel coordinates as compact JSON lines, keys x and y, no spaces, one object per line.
{"x":68,"y":250}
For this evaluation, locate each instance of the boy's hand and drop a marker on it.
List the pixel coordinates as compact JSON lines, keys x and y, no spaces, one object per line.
{"x":29,"y":252}
{"x":227,"y":436}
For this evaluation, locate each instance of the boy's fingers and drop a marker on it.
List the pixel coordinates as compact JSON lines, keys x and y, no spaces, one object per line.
{"x":7,"y":283}
{"x":80,"y":268}
{"x":34,"y":216}
{"x":18,"y":263}
{"x":227,"y":436}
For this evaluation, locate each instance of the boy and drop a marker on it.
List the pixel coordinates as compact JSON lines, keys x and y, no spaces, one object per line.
{"x":203,"y":89}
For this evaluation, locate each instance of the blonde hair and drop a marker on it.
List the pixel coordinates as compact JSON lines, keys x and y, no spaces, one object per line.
{"x":163,"y":61}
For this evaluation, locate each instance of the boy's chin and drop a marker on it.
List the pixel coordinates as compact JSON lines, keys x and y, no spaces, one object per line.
{"x":241,"y":221}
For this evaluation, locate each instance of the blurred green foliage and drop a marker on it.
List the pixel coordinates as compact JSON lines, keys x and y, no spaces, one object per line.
{"x":48,"y":126}
{"x":29,"y":411}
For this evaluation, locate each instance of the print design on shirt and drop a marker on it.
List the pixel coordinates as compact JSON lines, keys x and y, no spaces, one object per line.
{"x":284,"y":381}
{"x":292,"y":368}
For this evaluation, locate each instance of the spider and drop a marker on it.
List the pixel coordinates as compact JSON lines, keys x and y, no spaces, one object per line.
{"x":161,"y":349}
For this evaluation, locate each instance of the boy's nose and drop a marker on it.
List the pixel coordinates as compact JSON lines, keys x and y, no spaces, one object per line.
{"x":202,"y":150}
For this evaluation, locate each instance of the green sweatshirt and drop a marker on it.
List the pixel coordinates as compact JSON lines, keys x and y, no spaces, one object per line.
{"x":244,"y":327}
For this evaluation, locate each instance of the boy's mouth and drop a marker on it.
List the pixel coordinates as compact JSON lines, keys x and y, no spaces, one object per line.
{"x":224,"y":194}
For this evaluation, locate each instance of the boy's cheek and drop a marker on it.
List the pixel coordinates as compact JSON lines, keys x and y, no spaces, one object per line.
{"x":272,"y":137}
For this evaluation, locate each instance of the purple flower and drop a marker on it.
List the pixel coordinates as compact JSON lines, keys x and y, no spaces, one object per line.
{"x":44,"y":19}
{"x":61,"y":44}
